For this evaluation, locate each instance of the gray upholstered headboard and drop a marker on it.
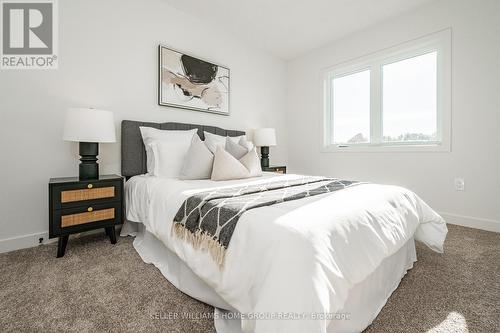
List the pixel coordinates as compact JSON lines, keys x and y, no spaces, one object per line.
{"x":134,"y":153}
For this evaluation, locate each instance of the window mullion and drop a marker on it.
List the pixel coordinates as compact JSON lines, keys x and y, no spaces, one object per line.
{"x":376,"y":104}
{"x":329,"y":105}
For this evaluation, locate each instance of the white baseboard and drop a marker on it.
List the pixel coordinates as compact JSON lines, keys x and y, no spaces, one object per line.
{"x":25,"y":241}
{"x":31,"y":240}
{"x":471,"y":221}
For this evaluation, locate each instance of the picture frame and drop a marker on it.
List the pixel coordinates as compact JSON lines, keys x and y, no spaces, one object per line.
{"x":189,"y":82}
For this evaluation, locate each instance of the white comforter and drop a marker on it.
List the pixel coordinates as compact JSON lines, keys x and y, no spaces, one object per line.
{"x":312,"y":252}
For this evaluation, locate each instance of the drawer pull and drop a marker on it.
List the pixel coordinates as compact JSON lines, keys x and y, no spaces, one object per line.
{"x":90,"y":209}
{"x":90,"y":186}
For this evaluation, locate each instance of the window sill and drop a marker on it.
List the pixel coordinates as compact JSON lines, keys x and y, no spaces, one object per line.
{"x":387,"y":148}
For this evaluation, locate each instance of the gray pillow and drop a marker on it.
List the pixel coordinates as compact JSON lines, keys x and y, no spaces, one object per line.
{"x":213,"y":140}
{"x":235,"y":149}
{"x":198,"y":161}
{"x":244,"y":143}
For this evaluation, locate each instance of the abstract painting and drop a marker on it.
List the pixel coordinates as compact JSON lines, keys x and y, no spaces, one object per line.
{"x":192,"y":83}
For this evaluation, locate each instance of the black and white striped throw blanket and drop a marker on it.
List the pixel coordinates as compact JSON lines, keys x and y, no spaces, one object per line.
{"x":207,"y":219}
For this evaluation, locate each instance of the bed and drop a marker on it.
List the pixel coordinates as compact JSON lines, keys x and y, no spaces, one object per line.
{"x":326,"y":263}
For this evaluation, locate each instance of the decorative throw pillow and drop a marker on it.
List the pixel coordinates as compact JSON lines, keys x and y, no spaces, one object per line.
{"x":235,"y":149}
{"x":251,"y":161}
{"x":213,"y":140}
{"x":150,"y":135}
{"x":226,"y":167}
{"x":198,"y":162}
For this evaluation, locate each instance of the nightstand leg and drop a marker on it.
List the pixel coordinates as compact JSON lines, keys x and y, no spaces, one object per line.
{"x":110,"y":231}
{"x":61,"y":245}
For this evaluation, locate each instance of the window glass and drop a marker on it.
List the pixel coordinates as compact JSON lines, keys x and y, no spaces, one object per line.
{"x":351,"y":108}
{"x":409,"y":99}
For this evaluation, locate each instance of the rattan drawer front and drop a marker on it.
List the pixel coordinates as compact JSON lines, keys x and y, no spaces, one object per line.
{"x":87,"y":194}
{"x":87,"y":217}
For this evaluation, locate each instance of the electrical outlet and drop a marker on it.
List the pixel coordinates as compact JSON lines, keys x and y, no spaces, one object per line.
{"x":459,"y":184}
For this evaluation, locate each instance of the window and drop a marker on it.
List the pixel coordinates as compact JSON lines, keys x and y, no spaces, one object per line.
{"x":351,"y":108}
{"x":395,"y":100}
{"x":409,"y":99}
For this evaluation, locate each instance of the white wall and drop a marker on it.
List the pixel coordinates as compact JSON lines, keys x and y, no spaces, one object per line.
{"x":108,"y":60}
{"x":475,"y":148}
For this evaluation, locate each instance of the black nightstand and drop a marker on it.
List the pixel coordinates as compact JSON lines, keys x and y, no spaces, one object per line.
{"x":275,"y":168}
{"x":77,"y":206}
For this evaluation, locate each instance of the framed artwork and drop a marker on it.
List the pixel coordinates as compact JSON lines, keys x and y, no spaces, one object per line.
{"x":191,"y":83}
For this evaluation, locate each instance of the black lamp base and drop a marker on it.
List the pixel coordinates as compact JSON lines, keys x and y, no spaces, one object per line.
{"x":89,"y":169}
{"x":264,"y":157}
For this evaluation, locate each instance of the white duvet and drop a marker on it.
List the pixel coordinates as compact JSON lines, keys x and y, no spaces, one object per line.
{"x":295,"y":260}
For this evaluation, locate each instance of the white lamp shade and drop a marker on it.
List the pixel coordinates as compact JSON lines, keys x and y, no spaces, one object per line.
{"x":89,"y":125}
{"x":264,"y":137}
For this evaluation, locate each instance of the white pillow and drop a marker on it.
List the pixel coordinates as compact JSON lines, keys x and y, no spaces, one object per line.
{"x":213,"y":140}
{"x":150,"y":134}
{"x":251,"y":161}
{"x":226,"y":167}
{"x":169,"y":157}
{"x":198,"y":162}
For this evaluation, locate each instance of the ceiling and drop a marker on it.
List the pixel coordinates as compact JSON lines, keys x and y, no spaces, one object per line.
{"x":290,"y":28}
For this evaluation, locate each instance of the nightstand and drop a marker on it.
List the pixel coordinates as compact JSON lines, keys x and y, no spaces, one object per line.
{"x":275,"y":168}
{"x":82,"y":205}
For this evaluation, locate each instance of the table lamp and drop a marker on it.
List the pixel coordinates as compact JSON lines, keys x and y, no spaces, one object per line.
{"x":89,"y":127}
{"x":264,"y":138}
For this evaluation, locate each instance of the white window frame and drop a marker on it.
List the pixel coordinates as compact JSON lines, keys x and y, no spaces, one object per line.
{"x":439,"y":42}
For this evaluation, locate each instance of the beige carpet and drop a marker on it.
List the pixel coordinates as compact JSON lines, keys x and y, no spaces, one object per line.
{"x":99,"y":287}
